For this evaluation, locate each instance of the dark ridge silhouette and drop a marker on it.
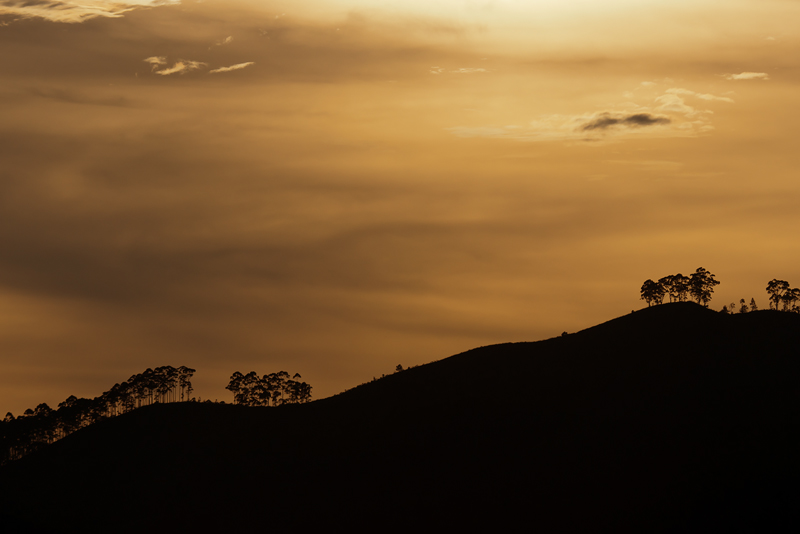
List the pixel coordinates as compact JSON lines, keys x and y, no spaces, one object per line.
{"x":674,"y":418}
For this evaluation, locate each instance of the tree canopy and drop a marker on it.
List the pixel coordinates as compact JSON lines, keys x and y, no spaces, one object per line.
{"x":700,"y":286}
{"x":269,"y":390}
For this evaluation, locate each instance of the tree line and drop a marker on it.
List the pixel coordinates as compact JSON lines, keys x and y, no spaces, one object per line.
{"x":269,"y":390}
{"x":743,"y":307}
{"x":782,"y":297}
{"x":43,"y":425}
{"x":699,"y":286}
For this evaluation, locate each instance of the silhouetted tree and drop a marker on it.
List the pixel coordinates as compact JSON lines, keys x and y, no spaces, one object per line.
{"x":791,"y":296}
{"x":676,"y":286}
{"x":701,"y":286}
{"x":776,"y":289}
{"x":653,"y":292}
{"x":742,"y":306}
{"x":235,"y":386}
{"x":753,"y":306}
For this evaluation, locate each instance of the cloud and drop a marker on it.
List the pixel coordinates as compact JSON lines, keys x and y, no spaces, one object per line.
{"x":595,"y":127}
{"x":467,"y":71}
{"x":702,"y":96}
{"x":156,"y":61}
{"x":227,"y":40}
{"x":71,"y":11}
{"x":606,"y":120}
{"x":747,"y":76}
{"x":181,"y":67}
{"x":238,"y":66}
{"x":668,"y":115}
{"x":672,"y":103}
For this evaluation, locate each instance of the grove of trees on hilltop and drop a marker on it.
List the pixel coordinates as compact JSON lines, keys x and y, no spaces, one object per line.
{"x":38,"y":427}
{"x":269,"y":390}
{"x":699,"y":286}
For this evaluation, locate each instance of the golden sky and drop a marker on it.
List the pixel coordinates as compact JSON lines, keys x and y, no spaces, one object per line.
{"x":335,"y":187}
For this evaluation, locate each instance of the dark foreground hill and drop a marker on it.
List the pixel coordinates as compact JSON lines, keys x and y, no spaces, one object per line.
{"x":674,"y":419}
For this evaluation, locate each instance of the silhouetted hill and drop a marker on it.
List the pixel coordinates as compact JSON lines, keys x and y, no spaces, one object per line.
{"x":673,"y":418}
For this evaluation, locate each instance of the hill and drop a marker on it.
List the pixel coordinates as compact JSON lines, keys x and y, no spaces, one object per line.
{"x":673,"y":418}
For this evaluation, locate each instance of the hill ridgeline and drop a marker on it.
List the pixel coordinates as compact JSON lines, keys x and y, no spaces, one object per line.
{"x":674,"y":418}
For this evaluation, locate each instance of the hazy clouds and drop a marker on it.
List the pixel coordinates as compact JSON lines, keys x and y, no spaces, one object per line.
{"x":68,"y":11}
{"x":358,"y":188}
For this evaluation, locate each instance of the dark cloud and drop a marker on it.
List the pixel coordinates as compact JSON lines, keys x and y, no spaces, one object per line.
{"x":607,"y":120}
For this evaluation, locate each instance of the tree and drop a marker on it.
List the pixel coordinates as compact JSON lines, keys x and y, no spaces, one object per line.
{"x":743,"y":306}
{"x":753,"y":306}
{"x":676,"y":286}
{"x":653,"y":292}
{"x":701,"y":286}
{"x":789,"y":298}
{"x":776,"y":289}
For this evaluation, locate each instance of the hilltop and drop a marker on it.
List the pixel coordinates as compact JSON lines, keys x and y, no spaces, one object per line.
{"x":672,"y":418}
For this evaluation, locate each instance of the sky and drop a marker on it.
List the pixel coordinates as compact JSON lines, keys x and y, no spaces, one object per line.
{"x":336,"y":187}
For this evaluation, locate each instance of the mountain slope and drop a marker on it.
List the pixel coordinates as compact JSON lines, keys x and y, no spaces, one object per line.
{"x":673,"y":417}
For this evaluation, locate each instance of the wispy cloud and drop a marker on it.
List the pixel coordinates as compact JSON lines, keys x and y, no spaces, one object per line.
{"x":223,"y":42}
{"x":463,"y":70}
{"x":672,"y":103}
{"x":238,"y":66}
{"x":156,"y":61}
{"x":468,"y":71}
{"x":71,"y":11}
{"x":182,"y":67}
{"x":666,"y":115}
{"x":747,"y":76}
{"x":702,"y":96}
